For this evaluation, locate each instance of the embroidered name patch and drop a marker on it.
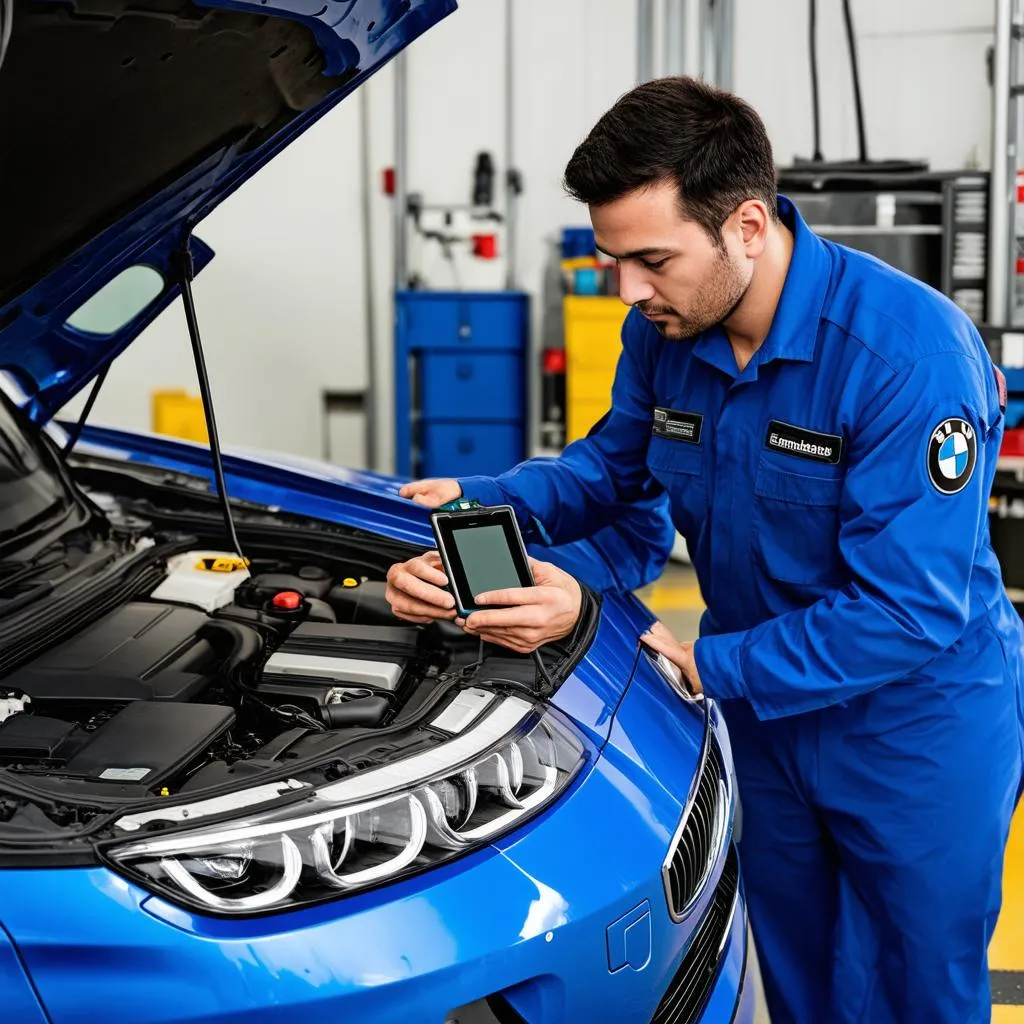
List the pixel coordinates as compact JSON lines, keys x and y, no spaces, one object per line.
{"x":804,"y":444}
{"x":678,"y":426}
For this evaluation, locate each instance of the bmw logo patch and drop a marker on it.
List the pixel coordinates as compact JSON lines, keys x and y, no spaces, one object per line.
{"x":952,"y":453}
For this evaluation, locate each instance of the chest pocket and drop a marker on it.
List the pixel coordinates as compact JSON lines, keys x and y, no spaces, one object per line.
{"x":680,"y":468}
{"x":795,"y":526}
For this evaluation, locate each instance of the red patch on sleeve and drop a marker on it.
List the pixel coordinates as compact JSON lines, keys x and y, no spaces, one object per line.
{"x":1001,"y":387}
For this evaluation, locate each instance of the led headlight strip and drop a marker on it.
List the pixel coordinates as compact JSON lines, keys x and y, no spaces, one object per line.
{"x":368,"y":829}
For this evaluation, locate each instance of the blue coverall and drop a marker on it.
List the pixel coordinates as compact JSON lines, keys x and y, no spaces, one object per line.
{"x":834,"y":496}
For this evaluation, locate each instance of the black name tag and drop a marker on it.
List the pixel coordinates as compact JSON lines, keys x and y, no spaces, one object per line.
{"x":678,"y":426}
{"x":804,"y":444}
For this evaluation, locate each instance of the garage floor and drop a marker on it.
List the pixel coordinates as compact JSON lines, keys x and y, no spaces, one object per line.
{"x":676,"y":600}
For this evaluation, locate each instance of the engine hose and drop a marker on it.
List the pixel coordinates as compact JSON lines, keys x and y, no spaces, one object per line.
{"x":244,"y":654}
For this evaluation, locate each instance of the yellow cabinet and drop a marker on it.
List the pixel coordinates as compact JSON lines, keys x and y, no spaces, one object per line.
{"x":593,"y":326}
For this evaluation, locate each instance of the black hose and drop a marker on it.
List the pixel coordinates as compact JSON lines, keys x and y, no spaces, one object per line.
{"x":851,"y":43}
{"x":187,"y":273}
{"x":815,"y":97}
{"x":245,"y":650}
{"x":542,"y":671}
{"x":76,"y":431}
{"x":240,"y":667}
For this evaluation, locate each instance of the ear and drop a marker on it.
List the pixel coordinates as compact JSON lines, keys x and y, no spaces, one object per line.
{"x":752,"y":219}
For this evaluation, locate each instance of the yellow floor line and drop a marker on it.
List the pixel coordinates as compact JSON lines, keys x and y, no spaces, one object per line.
{"x":1008,"y":1015}
{"x":664,"y":597}
{"x":1007,"y":950}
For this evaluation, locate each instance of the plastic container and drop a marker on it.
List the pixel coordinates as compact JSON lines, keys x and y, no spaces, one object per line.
{"x":179,"y":414}
{"x":578,"y":242}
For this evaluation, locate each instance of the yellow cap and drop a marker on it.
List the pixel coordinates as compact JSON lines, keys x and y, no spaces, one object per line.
{"x":350,"y":582}
{"x":222,"y":564}
{"x":164,"y":791}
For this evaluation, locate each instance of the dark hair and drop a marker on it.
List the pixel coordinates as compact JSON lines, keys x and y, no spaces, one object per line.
{"x":710,"y":143}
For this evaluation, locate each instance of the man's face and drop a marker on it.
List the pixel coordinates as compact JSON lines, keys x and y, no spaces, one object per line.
{"x":669,"y":267}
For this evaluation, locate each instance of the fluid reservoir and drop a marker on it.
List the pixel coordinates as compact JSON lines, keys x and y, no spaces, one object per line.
{"x":203,"y":579}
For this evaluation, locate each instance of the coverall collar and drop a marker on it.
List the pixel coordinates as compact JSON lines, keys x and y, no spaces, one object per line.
{"x":794,"y":331}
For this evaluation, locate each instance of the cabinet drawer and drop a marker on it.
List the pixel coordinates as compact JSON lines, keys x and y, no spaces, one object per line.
{"x":473,"y":386}
{"x":457,"y":320}
{"x":462,"y":449}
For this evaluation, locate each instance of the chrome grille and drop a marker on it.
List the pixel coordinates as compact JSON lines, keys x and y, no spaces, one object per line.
{"x":691,"y":986}
{"x":699,"y":838}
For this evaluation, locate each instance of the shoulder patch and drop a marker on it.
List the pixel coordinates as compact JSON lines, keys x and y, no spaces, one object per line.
{"x":952,"y":454}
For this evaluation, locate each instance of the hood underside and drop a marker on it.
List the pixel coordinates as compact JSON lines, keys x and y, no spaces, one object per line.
{"x":122,"y":124}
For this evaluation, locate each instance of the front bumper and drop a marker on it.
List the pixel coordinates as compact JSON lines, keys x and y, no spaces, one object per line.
{"x":537,"y":918}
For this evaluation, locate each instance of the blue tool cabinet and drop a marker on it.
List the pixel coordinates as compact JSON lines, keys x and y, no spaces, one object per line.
{"x":460,"y":382}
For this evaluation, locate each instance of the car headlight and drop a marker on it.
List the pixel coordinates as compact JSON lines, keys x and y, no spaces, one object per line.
{"x":368,"y":829}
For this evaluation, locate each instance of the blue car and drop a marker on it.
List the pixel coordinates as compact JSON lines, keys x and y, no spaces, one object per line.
{"x":232,"y":786}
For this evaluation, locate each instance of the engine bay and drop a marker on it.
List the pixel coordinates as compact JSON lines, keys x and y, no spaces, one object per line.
{"x":206,"y":673}
{"x":137,"y":695}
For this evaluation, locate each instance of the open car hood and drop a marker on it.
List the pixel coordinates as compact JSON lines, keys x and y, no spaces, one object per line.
{"x":122,"y":124}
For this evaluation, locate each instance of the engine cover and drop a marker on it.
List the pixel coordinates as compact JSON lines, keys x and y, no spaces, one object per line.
{"x":141,"y":651}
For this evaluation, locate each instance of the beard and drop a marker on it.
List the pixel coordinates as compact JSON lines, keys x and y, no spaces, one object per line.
{"x":714,"y":303}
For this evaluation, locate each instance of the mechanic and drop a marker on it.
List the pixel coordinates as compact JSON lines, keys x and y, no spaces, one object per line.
{"x":827,"y":430}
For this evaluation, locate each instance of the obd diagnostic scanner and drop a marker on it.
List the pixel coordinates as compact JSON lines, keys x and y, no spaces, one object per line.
{"x":482,"y":550}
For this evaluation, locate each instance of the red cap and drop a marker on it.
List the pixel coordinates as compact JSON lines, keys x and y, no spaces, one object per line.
{"x":289,"y":600}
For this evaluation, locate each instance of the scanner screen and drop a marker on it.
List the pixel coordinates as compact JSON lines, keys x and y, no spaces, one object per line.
{"x":486,"y":558}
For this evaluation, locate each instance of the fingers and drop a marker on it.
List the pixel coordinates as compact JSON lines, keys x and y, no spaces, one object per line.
{"x":521,"y":629}
{"x":545,"y":572}
{"x":424,"y":584}
{"x":679,"y":654}
{"x":521,"y":643}
{"x":656,"y":641}
{"x":431,"y":493}
{"x":419,"y":620}
{"x":427,"y":568}
{"x":507,"y":618}
{"x":427,"y":500}
{"x":660,"y":629}
{"x":414,"y":590}
{"x":514,"y":596}
{"x":413,"y":610}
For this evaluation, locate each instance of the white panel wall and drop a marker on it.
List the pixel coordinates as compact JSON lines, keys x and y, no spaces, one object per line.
{"x":922,"y":70}
{"x":282,"y":306}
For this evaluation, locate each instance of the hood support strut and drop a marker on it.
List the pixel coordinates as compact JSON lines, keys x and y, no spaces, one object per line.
{"x":185,"y":266}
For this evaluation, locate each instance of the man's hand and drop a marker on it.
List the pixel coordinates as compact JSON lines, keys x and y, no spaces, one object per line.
{"x":660,"y":639}
{"x":530,"y":616}
{"x":415,"y":590}
{"x":432,"y":493}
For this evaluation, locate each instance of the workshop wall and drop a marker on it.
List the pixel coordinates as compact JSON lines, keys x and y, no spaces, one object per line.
{"x":922,"y":70}
{"x":283,"y":306}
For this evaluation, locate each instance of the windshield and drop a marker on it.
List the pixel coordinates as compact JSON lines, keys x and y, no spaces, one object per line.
{"x":30,"y":485}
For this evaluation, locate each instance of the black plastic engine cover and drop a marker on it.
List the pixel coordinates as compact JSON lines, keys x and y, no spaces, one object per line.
{"x":148,"y":743}
{"x":364,"y":604}
{"x":141,"y":651}
{"x":342,"y":640}
{"x":27,"y":737}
